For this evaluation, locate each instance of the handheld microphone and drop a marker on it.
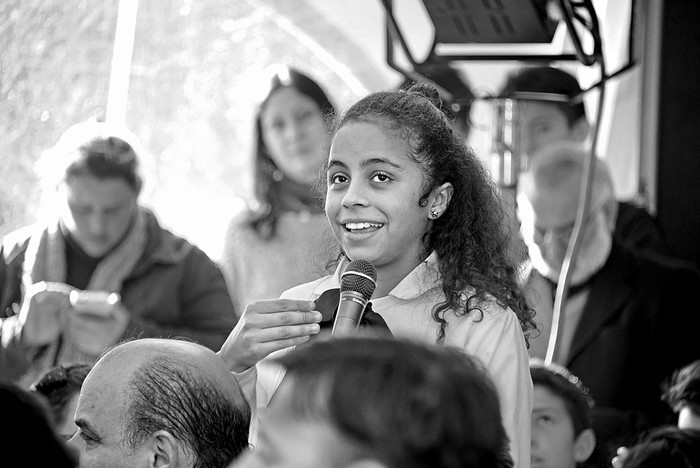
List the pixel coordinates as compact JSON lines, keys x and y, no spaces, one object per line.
{"x":357,"y":284}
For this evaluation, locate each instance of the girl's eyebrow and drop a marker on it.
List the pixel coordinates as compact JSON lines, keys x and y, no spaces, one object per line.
{"x":334,"y":162}
{"x":364,"y":163}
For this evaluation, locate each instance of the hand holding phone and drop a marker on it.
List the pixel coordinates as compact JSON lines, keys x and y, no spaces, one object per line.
{"x":100,"y":303}
{"x":98,"y":320}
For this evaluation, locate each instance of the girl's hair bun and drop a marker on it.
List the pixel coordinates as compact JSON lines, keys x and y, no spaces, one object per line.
{"x":430,"y":93}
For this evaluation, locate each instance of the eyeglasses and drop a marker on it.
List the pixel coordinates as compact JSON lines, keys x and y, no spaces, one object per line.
{"x":563,"y":233}
{"x":560,"y":234}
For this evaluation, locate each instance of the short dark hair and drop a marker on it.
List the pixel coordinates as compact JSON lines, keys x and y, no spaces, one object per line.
{"x":167,"y":395}
{"x":684,"y":388}
{"x":548,"y":80}
{"x":407,"y":404}
{"x":59,"y":384}
{"x":97,"y":149}
{"x":561,"y":382}
{"x":666,"y":446}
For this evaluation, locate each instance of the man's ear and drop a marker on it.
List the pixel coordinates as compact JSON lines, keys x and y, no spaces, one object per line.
{"x":584,"y":445}
{"x":165,"y":450}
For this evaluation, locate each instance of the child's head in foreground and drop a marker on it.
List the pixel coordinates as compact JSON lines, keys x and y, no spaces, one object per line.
{"x":562,"y":434}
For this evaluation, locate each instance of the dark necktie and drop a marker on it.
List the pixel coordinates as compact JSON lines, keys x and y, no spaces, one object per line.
{"x":327,"y":304}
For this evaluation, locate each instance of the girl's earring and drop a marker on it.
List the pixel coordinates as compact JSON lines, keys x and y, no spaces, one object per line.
{"x":434,"y":213}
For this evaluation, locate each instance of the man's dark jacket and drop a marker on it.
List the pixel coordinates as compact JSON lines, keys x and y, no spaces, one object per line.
{"x":175,"y":290}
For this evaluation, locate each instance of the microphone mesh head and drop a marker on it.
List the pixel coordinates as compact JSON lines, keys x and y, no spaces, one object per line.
{"x":359,"y":276}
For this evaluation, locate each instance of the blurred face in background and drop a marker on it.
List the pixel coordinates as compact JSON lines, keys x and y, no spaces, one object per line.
{"x":294,"y":132}
{"x":547,"y":220}
{"x":542,"y":124}
{"x":98,"y":212}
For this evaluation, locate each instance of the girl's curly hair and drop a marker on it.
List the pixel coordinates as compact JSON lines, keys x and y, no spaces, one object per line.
{"x":472,"y":237}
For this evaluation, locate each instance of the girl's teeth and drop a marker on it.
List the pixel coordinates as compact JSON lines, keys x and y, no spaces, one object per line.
{"x":354,"y":226}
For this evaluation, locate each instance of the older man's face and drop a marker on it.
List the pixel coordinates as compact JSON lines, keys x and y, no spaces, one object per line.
{"x":547,"y":218}
{"x":100,"y":417}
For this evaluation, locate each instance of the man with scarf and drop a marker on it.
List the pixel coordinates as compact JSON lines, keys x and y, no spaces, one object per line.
{"x":629,"y":319}
{"x":148,"y":281}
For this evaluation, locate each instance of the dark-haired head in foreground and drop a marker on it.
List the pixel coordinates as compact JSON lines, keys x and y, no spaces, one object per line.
{"x":664,"y":447}
{"x":28,"y":433}
{"x":683,"y":395}
{"x":383,"y":402}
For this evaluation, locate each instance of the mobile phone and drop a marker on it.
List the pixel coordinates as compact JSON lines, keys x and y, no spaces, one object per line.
{"x":94,"y":302}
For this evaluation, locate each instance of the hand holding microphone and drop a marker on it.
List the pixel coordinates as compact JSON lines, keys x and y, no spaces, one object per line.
{"x":269,"y":325}
{"x":266,"y":326}
{"x":357,"y":284}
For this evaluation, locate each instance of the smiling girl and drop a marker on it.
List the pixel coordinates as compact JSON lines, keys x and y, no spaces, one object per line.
{"x":405,"y":194}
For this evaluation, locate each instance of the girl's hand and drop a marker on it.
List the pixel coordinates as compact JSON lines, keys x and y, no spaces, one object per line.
{"x":267,"y":326}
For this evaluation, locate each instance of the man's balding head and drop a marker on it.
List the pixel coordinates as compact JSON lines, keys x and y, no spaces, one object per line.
{"x":190,"y":357}
{"x":151,"y":396}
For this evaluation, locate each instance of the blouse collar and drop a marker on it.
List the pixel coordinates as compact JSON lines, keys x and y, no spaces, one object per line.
{"x":421,"y":279}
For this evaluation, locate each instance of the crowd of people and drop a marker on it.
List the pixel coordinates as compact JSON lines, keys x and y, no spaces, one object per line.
{"x":126,"y":345}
